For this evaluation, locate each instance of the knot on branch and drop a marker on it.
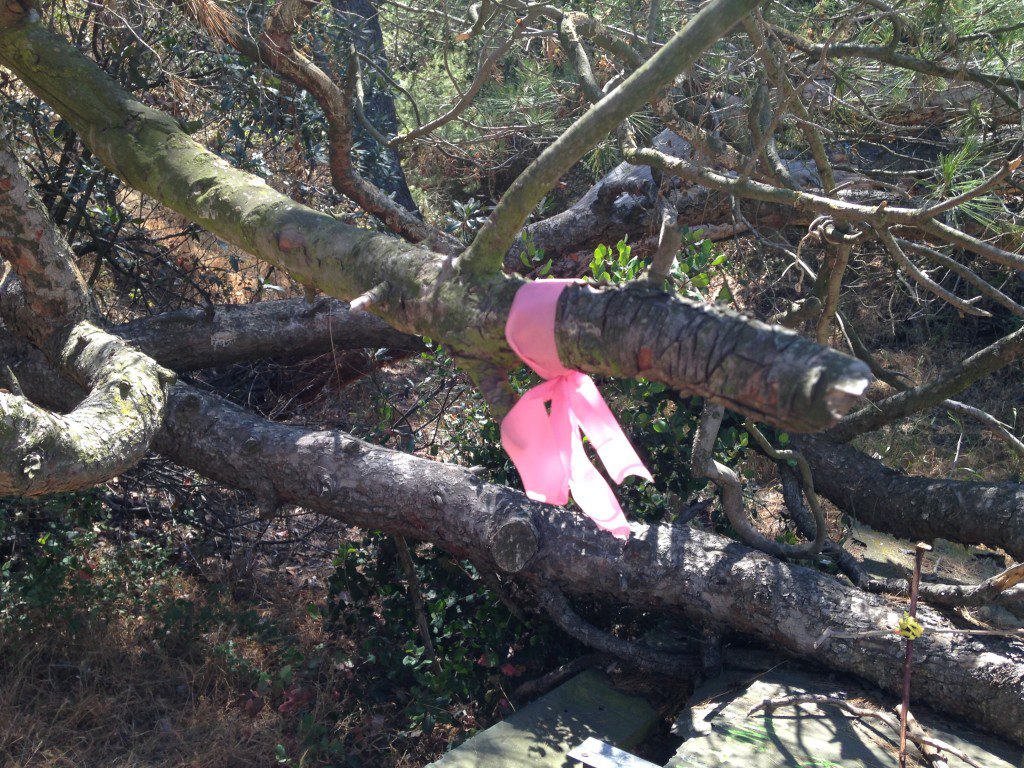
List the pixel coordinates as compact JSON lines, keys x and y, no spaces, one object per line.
{"x":16,"y":10}
{"x":513,"y":542}
{"x":826,"y":230}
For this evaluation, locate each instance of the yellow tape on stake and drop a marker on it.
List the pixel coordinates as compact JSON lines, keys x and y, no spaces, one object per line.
{"x":909,"y":627}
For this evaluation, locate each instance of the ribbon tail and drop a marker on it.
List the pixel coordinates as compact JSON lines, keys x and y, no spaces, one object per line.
{"x":589,"y":490}
{"x":603,"y":431}
{"x":529,"y":438}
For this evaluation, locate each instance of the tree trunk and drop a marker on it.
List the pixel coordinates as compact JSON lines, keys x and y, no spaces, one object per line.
{"x":363,"y":19}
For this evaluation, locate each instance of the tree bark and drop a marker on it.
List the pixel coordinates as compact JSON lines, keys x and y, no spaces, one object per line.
{"x":291,"y":328}
{"x":110,"y":430}
{"x":711,"y":579}
{"x":419,"y":290}
{"x":623,"y":204}
{"x":916,"y":508}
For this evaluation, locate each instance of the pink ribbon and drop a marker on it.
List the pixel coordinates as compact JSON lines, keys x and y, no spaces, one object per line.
{"x":548,"y":449}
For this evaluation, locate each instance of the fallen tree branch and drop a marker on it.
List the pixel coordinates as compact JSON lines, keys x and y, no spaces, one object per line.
{"x":709,"y":578}
{"x":111,"y":429}
{"x":765,"y":372}
{"x":1003,"y":589}
{"x":190,"y":339}
{"x":631,"y":652}
{"x":916,"y":508}
{"x":951,"y":382}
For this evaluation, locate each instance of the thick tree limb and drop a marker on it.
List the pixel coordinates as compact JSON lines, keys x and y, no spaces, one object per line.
{"x":149,"y":151}
{"x":52,"y":291}
{"x":107,"y":433}
{"x":636,"y":332}
{"x":709,"y":578}
{"x":916,"y":508}
{"x":190,"y":339}
{"x":43,"y":452}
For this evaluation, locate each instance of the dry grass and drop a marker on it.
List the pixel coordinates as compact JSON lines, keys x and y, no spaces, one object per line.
{"x":111,"y":687}
{"x":114,"y":697}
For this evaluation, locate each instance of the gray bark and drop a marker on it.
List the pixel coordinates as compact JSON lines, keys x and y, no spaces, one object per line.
{"x":706,"y":577}
{"x":709,"y":578}
{"x":108,"y":432}
{"x":291,"y":328}
{"x":774,"y":373}
{"x":624,"y":204}
{"x":917,"y":508}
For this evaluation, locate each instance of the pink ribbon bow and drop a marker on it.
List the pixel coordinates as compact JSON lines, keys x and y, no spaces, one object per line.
{"x":548,"y":449}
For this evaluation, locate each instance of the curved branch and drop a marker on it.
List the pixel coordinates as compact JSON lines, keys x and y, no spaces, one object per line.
{"x":43,"y":452}
{"x":983,"y":362}
{"x":274,"y":49}
{"x":107,"y":433}
{"x":730,"y":489}
{"x":558,"y":607}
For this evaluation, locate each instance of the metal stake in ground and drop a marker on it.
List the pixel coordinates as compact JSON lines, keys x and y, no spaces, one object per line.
{"x":914,"y":584}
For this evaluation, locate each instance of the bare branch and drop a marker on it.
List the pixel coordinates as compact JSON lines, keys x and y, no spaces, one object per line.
{"x":983,"y":362}
{"x":922,"y":279}
{"x":273,"y":48}
{"x":730,"y":489}
{"x":485,"y":253}
{"x":632,"y":653}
